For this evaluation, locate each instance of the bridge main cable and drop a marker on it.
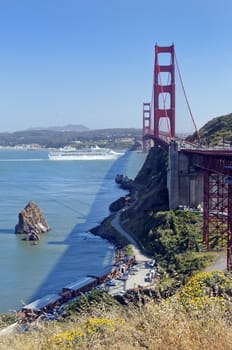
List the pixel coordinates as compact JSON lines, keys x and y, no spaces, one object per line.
{"x":186,"y":98}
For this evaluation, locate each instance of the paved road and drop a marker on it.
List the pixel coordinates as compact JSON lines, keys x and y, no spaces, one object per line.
{"x":116,"y":224}
{"x":140,"y":257}
{"x":138,"y":277}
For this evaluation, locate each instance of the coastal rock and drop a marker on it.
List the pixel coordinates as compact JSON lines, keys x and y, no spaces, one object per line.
{"x":127,"y":184}
{"x":32,"y":236}
{"x":118,"y":204}
{"x":32,"y":222}
{"x":119,"y":178}
{"x":124,"y":181}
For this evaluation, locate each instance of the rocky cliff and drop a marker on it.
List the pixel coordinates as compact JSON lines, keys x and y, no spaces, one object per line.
{"x":149,"y":192}
{"x":31,"y":221}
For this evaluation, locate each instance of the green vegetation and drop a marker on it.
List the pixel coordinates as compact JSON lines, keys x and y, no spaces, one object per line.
{"x":217,"y":132}
{"x":6,"y":319}
{"x":174,"y":238}
{"x":113,"y":138}
{"x":87,"y":302}
{"x":199,"y":316}
{"x":129,"y":251}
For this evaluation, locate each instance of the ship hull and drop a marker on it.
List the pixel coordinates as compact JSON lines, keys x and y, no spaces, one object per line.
{"x":89,"y":154}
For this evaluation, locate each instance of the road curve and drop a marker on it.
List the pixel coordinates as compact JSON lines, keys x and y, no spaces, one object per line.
{"x":138,"y":278}
{"x":140,"y":257}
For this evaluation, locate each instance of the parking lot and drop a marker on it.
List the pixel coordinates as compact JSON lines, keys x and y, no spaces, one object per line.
{"x":135,"y":277}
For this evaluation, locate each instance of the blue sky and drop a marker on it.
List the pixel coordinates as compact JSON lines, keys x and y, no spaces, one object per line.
{"x":91,"y":62}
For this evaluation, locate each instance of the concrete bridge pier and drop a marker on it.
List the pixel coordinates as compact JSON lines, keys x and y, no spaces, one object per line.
{"x":184,"y":180}
{"x":172,"y":175}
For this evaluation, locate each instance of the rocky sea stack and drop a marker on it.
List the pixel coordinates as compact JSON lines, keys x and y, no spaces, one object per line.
{"x":31,"y":221}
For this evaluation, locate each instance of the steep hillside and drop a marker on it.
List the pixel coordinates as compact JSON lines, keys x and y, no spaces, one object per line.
{"x":173,"y":237}
{"x":151,"y":187}
{"x":216,"y":132}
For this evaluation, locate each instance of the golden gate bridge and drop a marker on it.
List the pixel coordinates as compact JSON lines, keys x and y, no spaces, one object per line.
{"x":214,"y":165}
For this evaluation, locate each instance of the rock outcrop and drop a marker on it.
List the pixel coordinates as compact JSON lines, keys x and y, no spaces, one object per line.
{"x":32,"y":222}
{"x":124,"y":182}
{"x":118,"y":204}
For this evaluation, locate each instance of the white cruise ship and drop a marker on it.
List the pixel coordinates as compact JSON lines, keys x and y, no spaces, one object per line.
{"x":93,"y":153}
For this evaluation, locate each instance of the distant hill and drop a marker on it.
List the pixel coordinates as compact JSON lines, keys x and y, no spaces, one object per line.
{"x":69,"y":127}
{"x":49,"y":138}
{"x":216,"y":132}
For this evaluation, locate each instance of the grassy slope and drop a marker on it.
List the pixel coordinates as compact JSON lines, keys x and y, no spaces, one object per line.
{"x":216,"y":131}
{"x":194,"y":319}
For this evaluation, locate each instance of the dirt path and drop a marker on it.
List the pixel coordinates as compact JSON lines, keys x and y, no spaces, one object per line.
{"x":219,"y":264}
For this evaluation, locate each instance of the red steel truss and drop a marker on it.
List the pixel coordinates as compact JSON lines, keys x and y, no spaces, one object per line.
{"x":215,"y":208}
{"x":229,"y":236}
{"x":217,"y":167}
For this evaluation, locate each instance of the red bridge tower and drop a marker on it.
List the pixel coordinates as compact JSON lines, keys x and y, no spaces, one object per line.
{"x":163,"y":107}
{"x":147,"y":128}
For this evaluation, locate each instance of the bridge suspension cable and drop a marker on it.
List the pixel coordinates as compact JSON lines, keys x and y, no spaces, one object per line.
{"x":186,"y":98}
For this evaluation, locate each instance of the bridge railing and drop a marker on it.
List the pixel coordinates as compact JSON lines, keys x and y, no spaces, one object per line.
{"x":188,"y":145}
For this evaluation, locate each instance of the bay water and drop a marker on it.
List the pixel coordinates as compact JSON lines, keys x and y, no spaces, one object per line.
{"x":74,"y":197}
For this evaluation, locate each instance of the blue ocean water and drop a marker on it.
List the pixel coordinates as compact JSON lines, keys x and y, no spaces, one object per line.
{"x":74,"y":197}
